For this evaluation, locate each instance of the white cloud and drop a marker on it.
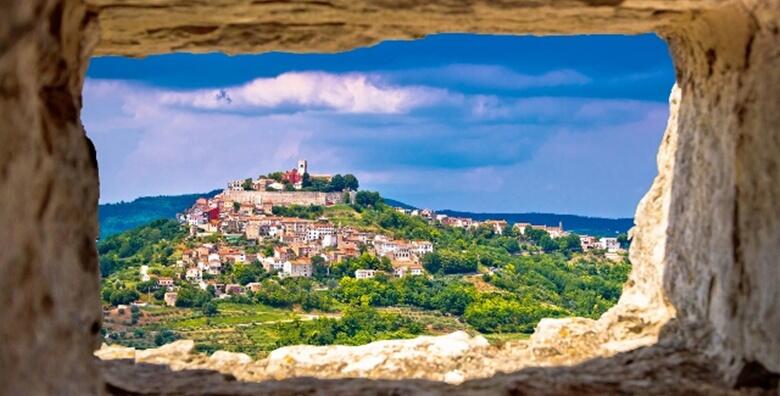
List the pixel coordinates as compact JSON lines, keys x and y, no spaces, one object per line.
{"x":557,"y":109}
{"x":492,"y":76}
{"x":502,"y":77}
{"x":346,"y":93}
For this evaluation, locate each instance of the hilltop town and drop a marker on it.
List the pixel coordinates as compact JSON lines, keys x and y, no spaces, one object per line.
{"x":248,"y":210}
{"x":241,"y":268}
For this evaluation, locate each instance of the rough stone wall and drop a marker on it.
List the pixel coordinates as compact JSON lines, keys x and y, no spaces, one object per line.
{"x":708,"y":232}
{"x":722,"y":269}
{"x":141,"y":27}
{"x":447,"y":365}
{"x":49,"y":312}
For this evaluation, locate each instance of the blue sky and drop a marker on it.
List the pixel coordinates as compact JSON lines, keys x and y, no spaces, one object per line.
{"x":479,"y":123}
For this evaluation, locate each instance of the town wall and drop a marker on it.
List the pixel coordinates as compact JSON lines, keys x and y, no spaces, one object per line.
{"x":284,"y":198}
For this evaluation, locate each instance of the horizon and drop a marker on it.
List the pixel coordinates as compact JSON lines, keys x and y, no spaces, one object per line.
{"x":399,"y":201}
{"x":485,"y":124}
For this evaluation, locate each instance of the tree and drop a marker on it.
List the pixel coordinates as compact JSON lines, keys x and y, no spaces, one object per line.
{"x":159,"y":294}
{"x":534,"y":235}
{"x":267,"y":250}
{"x":366,"y":199}
{"x":135,"y":314}
{"x":247,"y":184}
{"x":374,"y":291}
{"x":337,"y":183}
{"x":449,"y":262}
{"x":305,"y":180}
{"x":432,"y":262}
{"x":385,"y":264}
{"x":510,"y":244}
{"x":500,"y":314}
{"x":318,"y":185}
{"x":108,"y":265}
{"x":547,"y":244}
{"x":165,"y":336}
{"x":570,"y":243}
{"x":122,"y":296}
{"x":321,"y":269}
{"x":245,"y":274}
{"x":210,"y":309}
{"x":623,"y":240}
{"x":509,"y":230}
{"x":236,"y":206}
{"x":454,"y":298}
{"x":189,"y":296}
{"x":146,"y":286}
{"x":351,"y":182}
{"x":276,"y":176}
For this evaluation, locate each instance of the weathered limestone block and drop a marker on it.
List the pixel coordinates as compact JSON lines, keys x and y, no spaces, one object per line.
{"x":451,"y":358}
{"x":722,"y":265}
{"x":177,"y":352}
{"x":112,"y":352}
{"x":565,"y":341}
{"x":49,"y":304}
{"x":647,"y":371}
{"x":227,"y":360}
{"x":141,"y":27}
{"x":427,"y":357}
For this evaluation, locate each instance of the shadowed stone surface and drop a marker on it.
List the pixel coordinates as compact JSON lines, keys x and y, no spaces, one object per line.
{"x":707,"y":236}
{"x":49,"y":307}
{"x":141,"y":27}
{"x":655,"y":370}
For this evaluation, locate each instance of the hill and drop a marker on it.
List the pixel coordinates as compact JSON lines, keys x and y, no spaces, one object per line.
{"x":397,"y":204}
{"x":121,"y":216}
{"x":597,"y":226}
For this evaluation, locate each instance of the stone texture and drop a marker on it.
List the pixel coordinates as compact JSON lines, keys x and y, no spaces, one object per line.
{"x":422,"y":357}
{"x":721,"y":269}
{"x":451,"y":358}
{"x":656,"y":370}
{"x":227,"y":360}
{"x":49,"y":307}
{"x":707,"y":236}
{"x":141,"y":27}
{"x":112,"y":352}
{"x":177,"y":352}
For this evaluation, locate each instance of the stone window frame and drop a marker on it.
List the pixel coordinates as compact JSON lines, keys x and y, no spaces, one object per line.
{"x":707,"y":234}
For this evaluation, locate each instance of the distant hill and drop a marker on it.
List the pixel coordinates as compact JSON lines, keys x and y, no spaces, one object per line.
{"x":117,"y":217}
{"x":397,"y":204}
{"x":597,"y":226}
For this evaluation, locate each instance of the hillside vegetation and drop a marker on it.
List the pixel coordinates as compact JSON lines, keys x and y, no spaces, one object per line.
{"x":479,"y":280}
